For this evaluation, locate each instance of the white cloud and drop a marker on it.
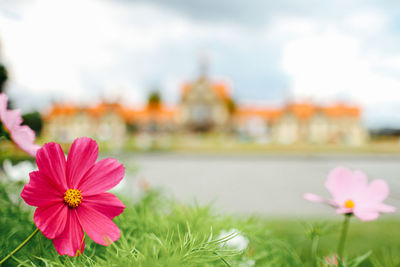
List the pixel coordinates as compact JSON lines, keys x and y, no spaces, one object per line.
{"x":366,"y":21}
{"x":283,"y":28}
{"x":82,"y":49}
{"x":54,"y":44}
{"x":335,"y":65}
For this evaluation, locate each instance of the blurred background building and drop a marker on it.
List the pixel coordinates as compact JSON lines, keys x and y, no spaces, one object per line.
{"x":207,"y":106}
{"x":267,"y":73}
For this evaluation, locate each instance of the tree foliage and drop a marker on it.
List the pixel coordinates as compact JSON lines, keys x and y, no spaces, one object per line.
{"x":154,"y":99}
{"x":34,"y":121}
{"x":3,"y":77}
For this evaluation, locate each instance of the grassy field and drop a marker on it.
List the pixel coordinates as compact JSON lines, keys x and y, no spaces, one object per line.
{"x":221,"y":144}
{"x":162,"y":232}
{"x":226,"y":144}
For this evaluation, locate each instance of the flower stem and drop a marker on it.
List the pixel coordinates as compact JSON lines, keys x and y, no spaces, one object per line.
{"x":343,"y":234}
{"x":314,"y":248}
{"x":20,"y":246}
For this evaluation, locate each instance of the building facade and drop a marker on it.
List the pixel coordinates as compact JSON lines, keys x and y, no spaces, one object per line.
{"x":206,"y":106}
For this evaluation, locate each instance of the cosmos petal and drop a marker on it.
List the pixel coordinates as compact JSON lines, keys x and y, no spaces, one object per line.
{"x":103,"y":176}
{"x":24,"y":137}
{"x":71,"y":240}
{"x":50,"y":160}
{"x":314,"y":198}
{"x":386,"y":208}
{"x":11,"y":119}
{"x":51,"y":220}
{"x":318,"y":199}
{"x":366,"y":215}
{"x":344,"y":184}
{"x":377,"y":191}
{"x":81,"y":157}
{"x":343,"y":210}
{"x":40,"y":192}
{"x":100,"y":228}
{"x":105,"y":203}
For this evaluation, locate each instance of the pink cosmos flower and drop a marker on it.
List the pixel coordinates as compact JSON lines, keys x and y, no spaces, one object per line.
{"x":351,"y":194}
{"x":332,"y":261}
{"x":70,"y":195}
{"x":22,"y":135}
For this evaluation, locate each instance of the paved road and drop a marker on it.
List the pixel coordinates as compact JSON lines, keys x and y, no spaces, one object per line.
{"x":270,"y":185}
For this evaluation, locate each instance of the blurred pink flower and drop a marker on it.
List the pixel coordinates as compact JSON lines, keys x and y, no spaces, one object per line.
{"x":22,"y":135}
{"x":332,"y":261}
{"x":352,"y":194}
{"x":70,"y":195}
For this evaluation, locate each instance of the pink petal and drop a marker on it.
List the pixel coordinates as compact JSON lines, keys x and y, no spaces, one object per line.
{"x":24,"y":137}
{"x":11,"y":119}
{"x":3,"y":106}
{"x":344,"y":184}
{"x":100,"y":228}
{"x":366,"y":215}
{"x":70,"y":241}
{"x":342,"y":210}
{"x":81,"y":157}
{"x":314,"y":198}
{"x":41,"y":191}
{"x":317,"y":199}
{"x":105,"y":203}
{"x":386,"y":208}
{"x":51,"y":220}
{"x":103,"y":176}
{"x":50,"y":160}
{"x":377,"y":191}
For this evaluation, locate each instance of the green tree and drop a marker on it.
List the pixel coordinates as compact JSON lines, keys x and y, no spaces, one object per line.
{"x":154,"y":100}
{"x":231,"y":105}
{"x":3,"y":77}
{"x":34,"y":121}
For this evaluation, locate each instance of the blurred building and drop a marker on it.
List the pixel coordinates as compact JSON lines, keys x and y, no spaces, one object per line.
{"x":303,"y":123}
{"x":207,"y":106}
{"x":105,"y":122}
{"x":152,"y":119}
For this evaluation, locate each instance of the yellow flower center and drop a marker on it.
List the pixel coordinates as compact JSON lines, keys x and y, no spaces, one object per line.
{"x":73,"y":197}
{"x":349,"y":204}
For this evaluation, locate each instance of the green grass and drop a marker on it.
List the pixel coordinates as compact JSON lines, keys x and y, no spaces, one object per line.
{"x":229,"y":144}
{"x":219,"y":144}
{"x":162,"y":232}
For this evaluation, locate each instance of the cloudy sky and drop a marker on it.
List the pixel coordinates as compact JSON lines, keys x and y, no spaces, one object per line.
{"x":269,"y":51}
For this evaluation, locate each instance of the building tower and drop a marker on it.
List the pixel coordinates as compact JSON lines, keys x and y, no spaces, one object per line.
{"x":204,"y":103}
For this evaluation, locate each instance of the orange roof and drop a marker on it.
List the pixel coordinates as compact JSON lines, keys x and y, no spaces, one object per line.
{"x":341,"y":110}
{"x":265,"y":113}
{"x":305,"y":111}
{"x":105,"y":107}
{"x":221,"y":89}
{"x":160,"y":114}
{"x":61,"y":109}
{"x":302,"y":111}
{"x":95,"y":111}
